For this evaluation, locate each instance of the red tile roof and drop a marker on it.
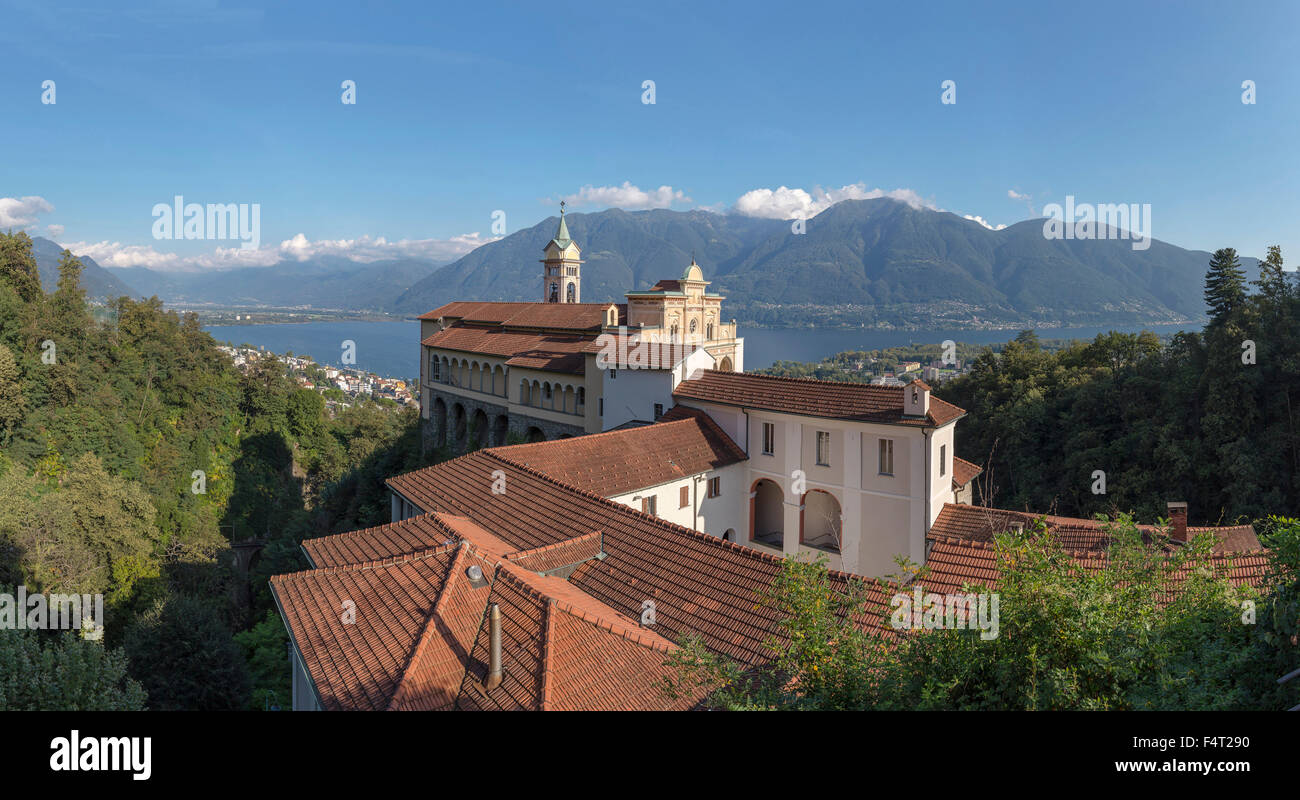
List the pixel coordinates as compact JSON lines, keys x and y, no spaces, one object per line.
{"x":566,"y":316}
{"x":419,"y":637}
{"x":954,"y":563}
{"x":356,"y":625}
{"x":685,"y":442}
{"x":419,"y":640}
{"x":963,"y":472}
{"x":858,"y":402}
{"x":979,"y":524}
{"x":698,"y":582}
{"x":547,"y":351}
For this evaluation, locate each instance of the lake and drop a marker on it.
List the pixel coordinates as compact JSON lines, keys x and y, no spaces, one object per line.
{"x":391,"y":350}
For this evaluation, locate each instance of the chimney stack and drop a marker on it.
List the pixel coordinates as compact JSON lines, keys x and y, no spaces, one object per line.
{"x":1178,"y":521}
{"x":494,"y":675}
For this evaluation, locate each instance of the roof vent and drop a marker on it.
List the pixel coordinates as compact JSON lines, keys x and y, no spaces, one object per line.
{"x":495,"y":675}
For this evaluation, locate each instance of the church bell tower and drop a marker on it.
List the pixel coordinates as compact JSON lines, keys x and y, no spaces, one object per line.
{"x":562,"y":277}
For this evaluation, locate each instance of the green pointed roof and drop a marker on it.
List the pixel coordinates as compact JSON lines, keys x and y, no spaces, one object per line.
{"x":562,"y":234}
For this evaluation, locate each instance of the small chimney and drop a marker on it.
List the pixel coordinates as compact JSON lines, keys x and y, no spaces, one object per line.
{"x":1178,"y":521}
{"x":494,"y":675}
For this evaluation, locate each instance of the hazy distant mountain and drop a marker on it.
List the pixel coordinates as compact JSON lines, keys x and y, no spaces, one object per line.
{"x":621,"y":250}
{"x":327,"y":282}
{"x":97,"y":281}
{"x":860,"y":261}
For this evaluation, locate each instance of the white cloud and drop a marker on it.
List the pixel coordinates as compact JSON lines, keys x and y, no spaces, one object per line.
{"x":787,"y":203}
{"x":19,"y":212}
{"x":56,"y":231}
{"x":364,"y":250}
{"x":1014,"y":195}
{"x":982,"y":221}
{"x":627,"y":196}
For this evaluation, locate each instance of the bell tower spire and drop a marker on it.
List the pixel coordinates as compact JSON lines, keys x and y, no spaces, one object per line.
{"x":562,"y":273}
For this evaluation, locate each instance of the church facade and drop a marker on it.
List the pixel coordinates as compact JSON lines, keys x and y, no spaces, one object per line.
{"x":494,"y":372}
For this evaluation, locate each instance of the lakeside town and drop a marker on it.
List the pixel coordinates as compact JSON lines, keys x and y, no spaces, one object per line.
{"x":341,"y":386}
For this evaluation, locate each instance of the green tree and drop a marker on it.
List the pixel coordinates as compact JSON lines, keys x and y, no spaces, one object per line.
{"x":265,"y":648}
{"x":186,"y":658}
{"x":1225,"y":285}
{"x":12,"y":403}
{"x":39,"y":672}
{"x":18,"y":266}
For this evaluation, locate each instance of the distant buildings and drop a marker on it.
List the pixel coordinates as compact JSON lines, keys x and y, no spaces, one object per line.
{"x":353,"y":383}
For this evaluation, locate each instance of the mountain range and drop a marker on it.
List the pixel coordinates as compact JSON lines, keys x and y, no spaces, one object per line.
{"x":97,"y":281}
{"x":874,"y":263}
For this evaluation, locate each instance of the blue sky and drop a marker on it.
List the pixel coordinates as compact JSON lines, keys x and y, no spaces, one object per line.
{"x":466,"y":108}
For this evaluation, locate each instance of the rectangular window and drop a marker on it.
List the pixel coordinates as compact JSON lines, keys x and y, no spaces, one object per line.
{"x":685,"y":497}
{"x":769,"y":438}
{"x":613,"y":373}
{"x":823,"y":448}
{"x":943,"y":459}
{"x":600,"y":406}
{"x":659,"y":410}
{"x":715,"y":487}
{"x":648,"y":505}
{"x":886,"y":456}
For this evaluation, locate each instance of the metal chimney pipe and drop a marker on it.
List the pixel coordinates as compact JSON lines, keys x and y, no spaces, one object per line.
{"x":494,"y":676}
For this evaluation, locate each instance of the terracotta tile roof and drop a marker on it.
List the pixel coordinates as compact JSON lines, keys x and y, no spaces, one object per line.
{"x":419,"y":639}
{"x":566,"y":316}
{"x":977,"y":523}
{"x":384,"y":541}
{"x":630,"y":338}
{"x":570,"y":552}
{"x":859,"y":402}
{"x":698,"y":582}
{"x":963,"y":472}
{"x":436,"y":670}
{"x":547,"y":351}
{"x":358,"y":664}
{"x":956,"y":562}
{"x":684,"y":443}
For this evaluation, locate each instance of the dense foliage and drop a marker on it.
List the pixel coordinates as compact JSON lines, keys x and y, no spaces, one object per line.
{"x":133,"y":454}
{"x":1211,"y":417}
{"x":1068,"y":638}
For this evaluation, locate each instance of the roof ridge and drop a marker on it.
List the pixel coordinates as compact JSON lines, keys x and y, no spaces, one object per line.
{"x":791,"y":379}
{"x":430,"y":622}
{"x":414,"y":555}
{"x":516,"y":555}
{"x":586,"y":437}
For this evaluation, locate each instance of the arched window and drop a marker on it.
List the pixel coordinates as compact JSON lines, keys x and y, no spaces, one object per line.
{"x":571,"y":295}
{"x":709,"y":331}
{"x":435,"y":368}
{"x":582,"y":398}
{"x":555,"y":293}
